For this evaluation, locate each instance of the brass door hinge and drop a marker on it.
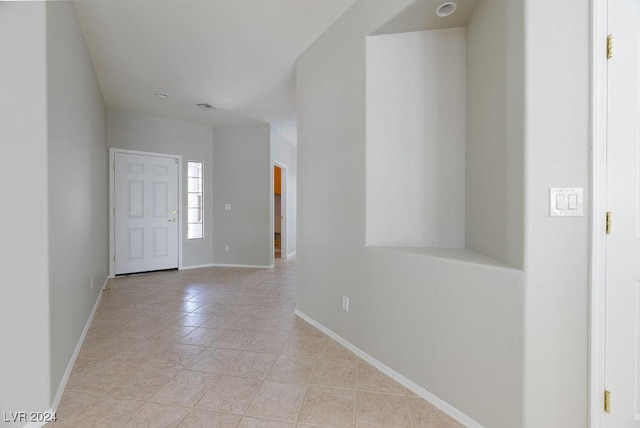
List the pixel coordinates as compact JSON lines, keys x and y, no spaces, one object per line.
{"x":609,"y":46}
{"x":607,"y":401}
{"x":608,"y":223}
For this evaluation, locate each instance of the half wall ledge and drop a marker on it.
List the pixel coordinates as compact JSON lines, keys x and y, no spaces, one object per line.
{"x":459,"y":255}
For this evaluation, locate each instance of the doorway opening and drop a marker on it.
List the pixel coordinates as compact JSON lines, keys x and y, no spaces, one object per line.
{"x":279,"y":211}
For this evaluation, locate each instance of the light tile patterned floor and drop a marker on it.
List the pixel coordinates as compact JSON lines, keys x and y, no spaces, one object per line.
{"x":221,"y":347}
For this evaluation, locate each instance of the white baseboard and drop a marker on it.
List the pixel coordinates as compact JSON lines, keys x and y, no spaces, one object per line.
{"x":410,"y":385}
{"x":291,"y":254}
{"x":243,"y":266}
{"x":72,"y":361}
{"x":197,"y":266}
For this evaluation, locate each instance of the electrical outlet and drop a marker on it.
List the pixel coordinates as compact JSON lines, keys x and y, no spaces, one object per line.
{"x":91,"y":282}
{"x":345,"y":303}
{"x":226,"y":248}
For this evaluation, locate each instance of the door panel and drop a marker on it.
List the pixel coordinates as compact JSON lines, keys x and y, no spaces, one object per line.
{"x":146,"y":209}
{"x":136,"y":243}
{"x":160,"y":241}
{"x":136,"y":199}
{"x":622,"y":352}
{"x":160,"y":199}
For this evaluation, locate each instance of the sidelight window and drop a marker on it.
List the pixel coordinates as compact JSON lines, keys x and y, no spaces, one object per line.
{"x":195,"y":201}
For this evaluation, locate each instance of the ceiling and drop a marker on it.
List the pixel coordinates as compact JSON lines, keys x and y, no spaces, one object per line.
{"x":237,"y":55}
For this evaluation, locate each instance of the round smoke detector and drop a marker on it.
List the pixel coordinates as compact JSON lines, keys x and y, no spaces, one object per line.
{"x":446,"y":9}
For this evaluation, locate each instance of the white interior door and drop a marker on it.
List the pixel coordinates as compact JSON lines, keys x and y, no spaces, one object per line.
{"x":622,"y":349}
{"x":146,"y":213}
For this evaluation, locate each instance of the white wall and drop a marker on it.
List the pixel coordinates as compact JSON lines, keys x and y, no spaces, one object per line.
{"x":77,"y":177}
{"x":449,"y":320}
{"x":415,"y":150}
{"x":242,"y":177}
{"x":236,"y":170}
{"x":557,"y":155}
{"x":135,"y":131}
{"x":453,"y":327}
{"x":495,"y":130}
{"x":527,"y":130}
{"x":284,"y":152}
{"x":24,"y":263}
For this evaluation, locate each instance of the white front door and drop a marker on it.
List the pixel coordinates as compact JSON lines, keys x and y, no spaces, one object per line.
{"x":622,"y":330}
{"x":146,"y":213}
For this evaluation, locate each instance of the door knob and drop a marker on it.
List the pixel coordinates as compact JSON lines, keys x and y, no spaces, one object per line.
{"x":173,"y":220}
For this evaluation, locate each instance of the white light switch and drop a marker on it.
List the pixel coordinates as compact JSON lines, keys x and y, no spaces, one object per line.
{"x":566,"y":202}
{"x":227,"y":207}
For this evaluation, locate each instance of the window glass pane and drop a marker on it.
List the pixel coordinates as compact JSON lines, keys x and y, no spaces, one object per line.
{"x":195,"y":200}
{"x":194,"y":185}
{"x":195,"y":231}
{"x":195,"y":215}
{"x":194,"y":169}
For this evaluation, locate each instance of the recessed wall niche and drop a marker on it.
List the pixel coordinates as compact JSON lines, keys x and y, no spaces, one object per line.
{"x":415,"y":147}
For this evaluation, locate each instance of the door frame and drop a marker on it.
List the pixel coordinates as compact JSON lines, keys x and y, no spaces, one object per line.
{"x":112,"y":229}
{"x":283,"y":211}
{"x":599,"y":31}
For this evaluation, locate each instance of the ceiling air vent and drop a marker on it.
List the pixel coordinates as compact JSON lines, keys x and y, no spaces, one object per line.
{"x":205,"y":106}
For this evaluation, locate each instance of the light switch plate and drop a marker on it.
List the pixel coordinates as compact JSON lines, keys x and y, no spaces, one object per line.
{"x":227,"y":207}
{"x":345,"y":303}
{"x":566,"y":202}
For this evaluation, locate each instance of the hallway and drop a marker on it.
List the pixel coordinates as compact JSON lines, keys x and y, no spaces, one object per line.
{"x":221,"y":347}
